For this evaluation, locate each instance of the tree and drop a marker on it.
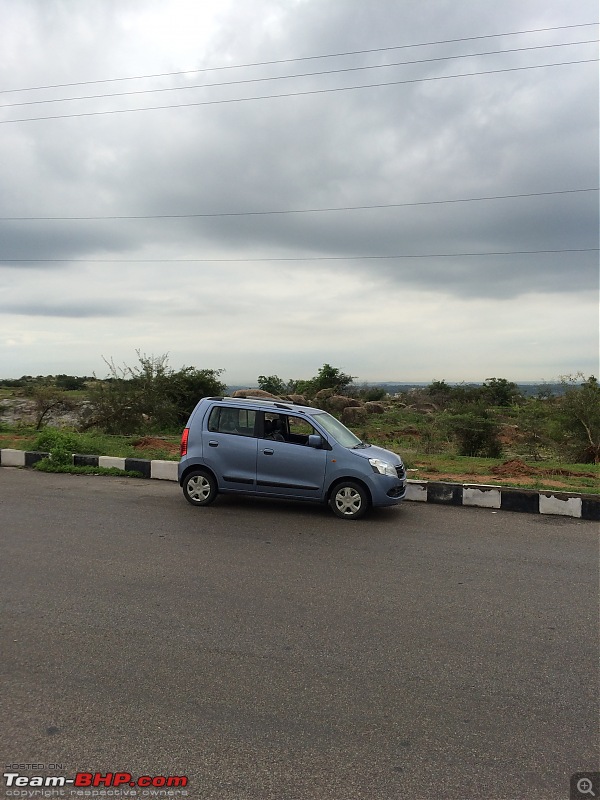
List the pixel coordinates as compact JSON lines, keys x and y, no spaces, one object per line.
{"x":47,"y":399}
{"x":537,"y":425}
{"x":476,"y":432}
{"x":272,"y":384}
{"x":580,"y":416}
{"x":328,"y":377}
{"x":371,"y":393}
{"x":150,"y":395}
{"x":189,"y":385}
{"x":500,"y":392}
{"x":70,"y":382}
{"x":440,"y":392}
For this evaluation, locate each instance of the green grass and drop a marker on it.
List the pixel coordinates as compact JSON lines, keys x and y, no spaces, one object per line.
{"x":45,"y":465}
{"x":405,"y":432}
{"x":92,"y":443}
{"x":584,"y":478}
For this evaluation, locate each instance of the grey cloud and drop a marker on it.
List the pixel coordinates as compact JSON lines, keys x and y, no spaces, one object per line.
{"x":487,"y":135}
{"x":80,"y":309}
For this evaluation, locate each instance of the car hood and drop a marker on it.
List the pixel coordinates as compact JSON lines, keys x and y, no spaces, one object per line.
{"x":372,"y":451}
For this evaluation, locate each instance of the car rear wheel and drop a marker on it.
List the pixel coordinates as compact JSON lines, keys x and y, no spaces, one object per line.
{"x":199,"y":488}
{"x":349,"y":500}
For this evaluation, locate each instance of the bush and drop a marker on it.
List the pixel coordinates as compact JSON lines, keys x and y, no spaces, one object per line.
{"x":58,"y":444}
{"x":328,"y":377}
{"x":272,"y":384}
{"x":579,"y":411}
{"x":476,"y":432}
{"x":150,"y":396}
{"x":53,"y":439}
{"x":372,"y":394}
{"x":48,"y":399}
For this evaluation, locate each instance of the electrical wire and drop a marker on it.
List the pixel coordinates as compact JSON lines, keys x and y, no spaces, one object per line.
{"x":210,"y":215}
{"x":296,"y":75}
{"x":303,"y":58}
{"x":295,"y":94}
{"x":395,"y":256}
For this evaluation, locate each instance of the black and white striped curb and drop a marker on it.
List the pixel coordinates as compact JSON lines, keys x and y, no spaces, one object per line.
{"x":162,"y":470}
{"x":502,"y":498}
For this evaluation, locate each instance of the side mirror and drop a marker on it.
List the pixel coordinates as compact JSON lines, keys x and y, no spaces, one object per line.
{"x":314,"y":440}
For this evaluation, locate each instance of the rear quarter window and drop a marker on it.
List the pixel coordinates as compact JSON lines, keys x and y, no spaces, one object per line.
{"x":235,"y":421}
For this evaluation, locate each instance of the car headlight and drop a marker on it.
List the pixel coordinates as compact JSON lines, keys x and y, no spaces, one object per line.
{"x":383,"y":467}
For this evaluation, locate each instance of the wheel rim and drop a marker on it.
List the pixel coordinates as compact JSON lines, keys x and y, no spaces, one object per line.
{"x":198,"y":488}
{"x":348,"y":501}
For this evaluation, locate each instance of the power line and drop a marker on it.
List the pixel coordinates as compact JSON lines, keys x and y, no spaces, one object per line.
{"x":124,"y":217}
{"x":295,"y":94}
{"x":296,"y":75}
{"x":286,"y":259}
{"x":303,"y":58}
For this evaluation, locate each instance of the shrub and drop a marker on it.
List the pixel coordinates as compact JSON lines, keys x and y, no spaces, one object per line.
{"x":53,"y":439}
{"x":59,"y":445}
{"x":476,"y":432}
{"x":579,"y":410}
{"x":150,"y":396}
{"x":48,"y":399}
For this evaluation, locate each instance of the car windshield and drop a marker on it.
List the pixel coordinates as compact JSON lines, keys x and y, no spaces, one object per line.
{"x":339,"y":432}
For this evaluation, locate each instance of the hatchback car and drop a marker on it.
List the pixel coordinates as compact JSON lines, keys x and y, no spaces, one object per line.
{"x":277,"y":449}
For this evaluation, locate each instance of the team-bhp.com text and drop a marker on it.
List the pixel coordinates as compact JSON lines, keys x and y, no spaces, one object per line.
{"x":95,"y":779}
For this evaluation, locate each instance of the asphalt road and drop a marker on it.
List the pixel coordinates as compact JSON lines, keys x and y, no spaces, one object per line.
{"x":269,"y":650}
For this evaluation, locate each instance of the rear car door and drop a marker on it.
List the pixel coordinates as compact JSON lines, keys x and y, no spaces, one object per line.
{"x":230,"y":447}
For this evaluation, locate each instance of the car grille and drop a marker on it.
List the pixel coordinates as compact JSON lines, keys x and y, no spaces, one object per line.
{"x":400,"y":472}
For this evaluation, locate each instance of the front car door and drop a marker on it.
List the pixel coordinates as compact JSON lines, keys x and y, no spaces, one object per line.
{"x":286,"y":466}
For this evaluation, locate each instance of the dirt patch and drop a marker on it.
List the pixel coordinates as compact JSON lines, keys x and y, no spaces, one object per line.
{"x":154,"y":443}
{"x":510,"y":472}
{"x":515,"y":468}
{"x":524,"y":481}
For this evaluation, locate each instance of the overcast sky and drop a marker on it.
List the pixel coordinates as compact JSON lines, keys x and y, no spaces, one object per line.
{"x":405,"y":190}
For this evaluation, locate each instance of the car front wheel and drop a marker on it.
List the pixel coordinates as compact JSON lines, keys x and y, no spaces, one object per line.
{"x":199,"y":488}
{"x":349,"y":500}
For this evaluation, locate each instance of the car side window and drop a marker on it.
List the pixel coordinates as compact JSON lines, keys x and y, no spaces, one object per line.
{"x":287,"y":428}
{"x":300,"y":429}
{"x":236,"y":421}
{"x":274,"y":427}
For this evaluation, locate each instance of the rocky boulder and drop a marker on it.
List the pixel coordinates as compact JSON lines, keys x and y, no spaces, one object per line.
{"x":339,"y":402}
{"x":298,"y":399}
{"x":259,"y":393}
{"x":353,"y":414}
{"x":372,"y":407}
{"x":324,"y":394}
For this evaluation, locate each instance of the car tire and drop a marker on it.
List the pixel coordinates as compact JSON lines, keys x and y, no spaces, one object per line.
{"x":199,"y":488}
{"x":349,"y":500}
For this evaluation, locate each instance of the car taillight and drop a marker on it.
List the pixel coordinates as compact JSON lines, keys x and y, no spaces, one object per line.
{"x":184,"y":442}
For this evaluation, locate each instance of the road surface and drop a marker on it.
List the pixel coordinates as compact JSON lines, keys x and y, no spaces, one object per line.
{"x":269,"y":650}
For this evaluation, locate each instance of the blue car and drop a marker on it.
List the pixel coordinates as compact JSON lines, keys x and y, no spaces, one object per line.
{"x":267,"y":448}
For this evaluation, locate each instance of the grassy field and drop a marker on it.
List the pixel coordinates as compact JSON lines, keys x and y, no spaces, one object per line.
{"x":401,"y":433}
{"x":151,"y":447}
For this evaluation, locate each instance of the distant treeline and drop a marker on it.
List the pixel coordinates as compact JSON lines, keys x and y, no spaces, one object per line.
{"x":75,"y":382}
{"x":524,"y":389}
{"x":67,"y":383}
{"x":152,"y":396}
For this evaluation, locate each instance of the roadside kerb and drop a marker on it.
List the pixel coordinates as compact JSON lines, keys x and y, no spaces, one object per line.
{"x":496,"y":497}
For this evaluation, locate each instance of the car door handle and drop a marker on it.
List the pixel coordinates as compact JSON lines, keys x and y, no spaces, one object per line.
{"x":268,"y":451}
{"x":212,"y":443}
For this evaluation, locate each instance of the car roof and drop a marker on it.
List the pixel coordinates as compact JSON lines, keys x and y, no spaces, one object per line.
{"x":266,"y":404}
